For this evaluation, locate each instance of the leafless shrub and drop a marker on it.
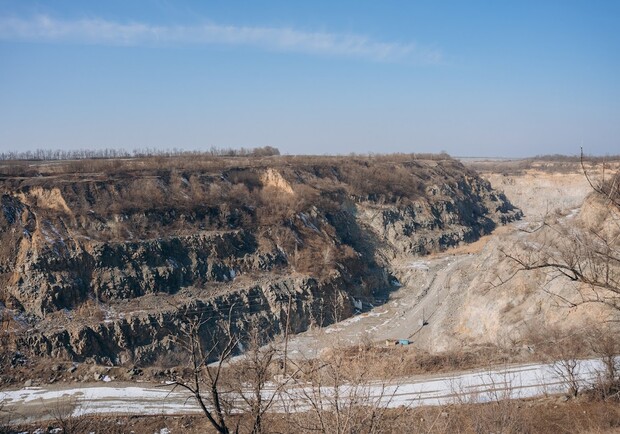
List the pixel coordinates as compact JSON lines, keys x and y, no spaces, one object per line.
{"x":605,"y":344}
{"x":62,"y":412}
{"x":495,"y":410}
{"x":5,"y":417}
{"x":332,"y":396}
{"x":563,"y":349}
{"x":250,"y":378}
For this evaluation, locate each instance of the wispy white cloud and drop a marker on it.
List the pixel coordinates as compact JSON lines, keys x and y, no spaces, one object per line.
{"x":102,"y":32}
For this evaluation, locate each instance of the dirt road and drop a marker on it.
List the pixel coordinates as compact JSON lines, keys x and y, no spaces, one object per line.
{"x":404,"y":316}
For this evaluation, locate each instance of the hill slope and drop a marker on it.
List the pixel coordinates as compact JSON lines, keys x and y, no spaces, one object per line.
{"x":106,"y":260}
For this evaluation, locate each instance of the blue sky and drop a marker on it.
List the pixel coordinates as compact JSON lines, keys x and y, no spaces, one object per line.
{"x":473,"y":78}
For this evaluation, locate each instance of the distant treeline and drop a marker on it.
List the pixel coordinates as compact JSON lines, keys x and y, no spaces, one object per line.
{"x":576,"y":158}
{"x":110,"y":153}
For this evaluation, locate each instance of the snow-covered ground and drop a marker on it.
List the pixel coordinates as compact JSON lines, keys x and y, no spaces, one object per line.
{"x":510,"y":382}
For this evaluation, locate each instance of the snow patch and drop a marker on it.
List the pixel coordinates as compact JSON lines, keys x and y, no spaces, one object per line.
{"x":357,"y":304}
{"x":513,"y":382}
{"x":308,"y":223}
{"x":420,"y":265}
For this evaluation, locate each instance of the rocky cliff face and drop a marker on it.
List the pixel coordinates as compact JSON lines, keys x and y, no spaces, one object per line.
{"x":156,"y":336}
{"x":447,"y":216}
{"x":108,"y":265}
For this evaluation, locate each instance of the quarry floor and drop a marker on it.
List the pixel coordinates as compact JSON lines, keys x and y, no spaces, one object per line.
{"x":424,"y":309}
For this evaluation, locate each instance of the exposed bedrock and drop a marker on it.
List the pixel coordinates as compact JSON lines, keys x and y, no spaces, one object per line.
{"x":109,"y":265}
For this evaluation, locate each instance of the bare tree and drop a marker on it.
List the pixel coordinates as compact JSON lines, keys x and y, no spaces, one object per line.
{"x":246,"y":386}
{"x":588,"y":254}
{"x":214,"y":404}
{"x":252,"y":377}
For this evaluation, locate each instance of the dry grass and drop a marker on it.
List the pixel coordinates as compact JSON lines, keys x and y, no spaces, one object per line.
{"x":401,"y":361}
{"x":533,"y":416}
{"x":549,"y":164}
{"x":90,"y":310}
{"x":529,"y":416}
{"x":191,"y":162}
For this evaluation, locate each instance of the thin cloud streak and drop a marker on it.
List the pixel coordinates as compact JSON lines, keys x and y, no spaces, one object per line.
{"x":101,"y":32}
